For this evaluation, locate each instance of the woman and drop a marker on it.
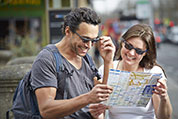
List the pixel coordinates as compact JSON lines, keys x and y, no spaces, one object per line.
{"x":137,"y":52}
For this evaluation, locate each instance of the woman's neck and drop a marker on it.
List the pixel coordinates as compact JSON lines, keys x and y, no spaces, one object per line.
{"x":124,"y":67}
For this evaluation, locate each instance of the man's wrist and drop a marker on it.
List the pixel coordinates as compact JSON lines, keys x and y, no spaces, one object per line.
{"x":87,"y":98}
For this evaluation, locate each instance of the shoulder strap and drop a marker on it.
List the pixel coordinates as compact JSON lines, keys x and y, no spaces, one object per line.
{"x":89,"y":60}
{"x":57,"y":56}
{"x":59,"y":64}
{"x":35,"y":112}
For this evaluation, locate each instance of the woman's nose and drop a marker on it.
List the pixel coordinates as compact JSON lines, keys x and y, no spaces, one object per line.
{"x":132,"y":51}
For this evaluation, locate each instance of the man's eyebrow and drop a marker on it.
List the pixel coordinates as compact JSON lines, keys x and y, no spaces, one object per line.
{"x":89,"y":37}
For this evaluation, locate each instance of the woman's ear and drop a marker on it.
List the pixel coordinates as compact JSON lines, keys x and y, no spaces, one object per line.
{"x":144,"y":54}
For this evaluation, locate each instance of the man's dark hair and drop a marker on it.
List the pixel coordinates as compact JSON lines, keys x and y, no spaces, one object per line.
{"x":78,"y":15}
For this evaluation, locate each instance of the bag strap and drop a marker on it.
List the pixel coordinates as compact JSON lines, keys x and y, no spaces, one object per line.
{"x":7,"y":113}
{"x":33,"y":100}
{"x":59,"y":62}
{"x":59,"y":65}
{"x":57,"y":55}
{"x":89,"y":60}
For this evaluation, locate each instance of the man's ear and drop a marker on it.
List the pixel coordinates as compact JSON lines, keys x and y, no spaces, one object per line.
{"x":67,"y":31}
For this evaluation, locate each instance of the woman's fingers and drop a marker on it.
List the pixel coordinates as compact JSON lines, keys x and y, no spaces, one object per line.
{"x":97,"y":109}
{"x":161,"y":89}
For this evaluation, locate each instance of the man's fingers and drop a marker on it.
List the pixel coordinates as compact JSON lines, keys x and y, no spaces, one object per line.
{"x":106,"y":41}
{"x":103,"y":86}
{"x":100,"y":93}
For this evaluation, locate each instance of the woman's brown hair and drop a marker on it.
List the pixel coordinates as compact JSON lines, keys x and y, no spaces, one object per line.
{"x":144,"y":32}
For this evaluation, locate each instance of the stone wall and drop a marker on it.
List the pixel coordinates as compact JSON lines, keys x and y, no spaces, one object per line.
{"x":5,"y":56}
{"x":10,"y":75}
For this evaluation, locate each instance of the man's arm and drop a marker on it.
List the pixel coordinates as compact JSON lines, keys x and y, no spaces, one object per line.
{"x":107,"y":50}
{"x":161,"y":102}
{"x":50,"y":108}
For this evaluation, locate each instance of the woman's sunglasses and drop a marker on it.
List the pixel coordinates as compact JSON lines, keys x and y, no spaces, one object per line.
{"x":130,"y":47}
{"x":86,"y":40}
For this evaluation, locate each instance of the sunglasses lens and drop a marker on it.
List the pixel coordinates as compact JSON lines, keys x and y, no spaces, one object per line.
{"x":85,"y":40}
{"x":138,"y":51}
{"x":130,"y":47}
{"x":95,"y":40}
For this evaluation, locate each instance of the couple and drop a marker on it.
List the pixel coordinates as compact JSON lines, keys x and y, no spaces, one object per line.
{"x":137,"y":53}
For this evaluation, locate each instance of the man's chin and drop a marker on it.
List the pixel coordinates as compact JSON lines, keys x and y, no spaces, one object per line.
{"x":82,"y":54}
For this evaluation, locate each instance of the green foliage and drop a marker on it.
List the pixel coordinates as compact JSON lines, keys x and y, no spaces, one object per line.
{"x":24,"y":47}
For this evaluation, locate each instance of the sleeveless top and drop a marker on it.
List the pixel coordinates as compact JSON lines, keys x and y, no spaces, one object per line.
{"x":126,"y":112}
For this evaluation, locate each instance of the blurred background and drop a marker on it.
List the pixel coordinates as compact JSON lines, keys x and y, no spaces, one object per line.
{"x":26,"y":26}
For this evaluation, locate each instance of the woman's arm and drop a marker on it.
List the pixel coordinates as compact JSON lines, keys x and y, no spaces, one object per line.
{"x":161,"y":101}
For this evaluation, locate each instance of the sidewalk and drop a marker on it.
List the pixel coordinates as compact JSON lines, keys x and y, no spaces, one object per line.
{"x":173,"y":94}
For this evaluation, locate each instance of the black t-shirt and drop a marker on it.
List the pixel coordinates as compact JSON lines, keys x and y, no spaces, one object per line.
{"x":72,"y":82}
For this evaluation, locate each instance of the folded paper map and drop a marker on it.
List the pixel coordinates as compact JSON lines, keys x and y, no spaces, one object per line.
{"x":131,"y":88}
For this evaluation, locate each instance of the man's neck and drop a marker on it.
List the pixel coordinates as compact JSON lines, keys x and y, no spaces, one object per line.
{"x":65,"y":50}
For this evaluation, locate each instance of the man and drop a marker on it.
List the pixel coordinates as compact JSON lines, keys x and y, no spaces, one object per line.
{"x":69,"y":97}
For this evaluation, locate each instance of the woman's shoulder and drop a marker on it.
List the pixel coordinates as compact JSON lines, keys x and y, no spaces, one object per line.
{"x":154,"y":69}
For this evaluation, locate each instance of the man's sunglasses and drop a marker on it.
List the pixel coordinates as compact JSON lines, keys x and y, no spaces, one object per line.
{"x":86,"y":40}
{"x":130,"y":47}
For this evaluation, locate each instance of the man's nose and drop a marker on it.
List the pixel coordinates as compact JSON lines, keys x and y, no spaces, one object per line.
{"x":88,"y":44}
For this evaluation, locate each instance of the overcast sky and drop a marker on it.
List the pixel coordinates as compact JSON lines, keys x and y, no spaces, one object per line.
{"x":105,"y":6}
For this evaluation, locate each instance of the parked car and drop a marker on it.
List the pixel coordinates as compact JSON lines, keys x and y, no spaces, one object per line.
{"x":173,"y":35}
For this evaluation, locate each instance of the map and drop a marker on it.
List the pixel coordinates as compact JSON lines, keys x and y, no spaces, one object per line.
{"x":131,"y":88}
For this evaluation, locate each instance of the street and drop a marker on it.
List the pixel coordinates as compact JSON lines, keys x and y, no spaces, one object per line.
{"x":168,"y":58}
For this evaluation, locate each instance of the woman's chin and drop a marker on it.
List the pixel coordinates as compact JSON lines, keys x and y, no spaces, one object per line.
{"x":129,"y":62}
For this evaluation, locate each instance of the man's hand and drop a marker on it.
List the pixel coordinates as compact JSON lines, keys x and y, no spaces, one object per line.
{"x":107,"y":51}
{"x":106,"y":48}
{"x":99,"y":93}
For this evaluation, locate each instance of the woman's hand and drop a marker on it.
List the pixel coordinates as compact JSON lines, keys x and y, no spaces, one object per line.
{"x":97,"y":110}
{"x":161,"y":101}
{"x":161,"y":90}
